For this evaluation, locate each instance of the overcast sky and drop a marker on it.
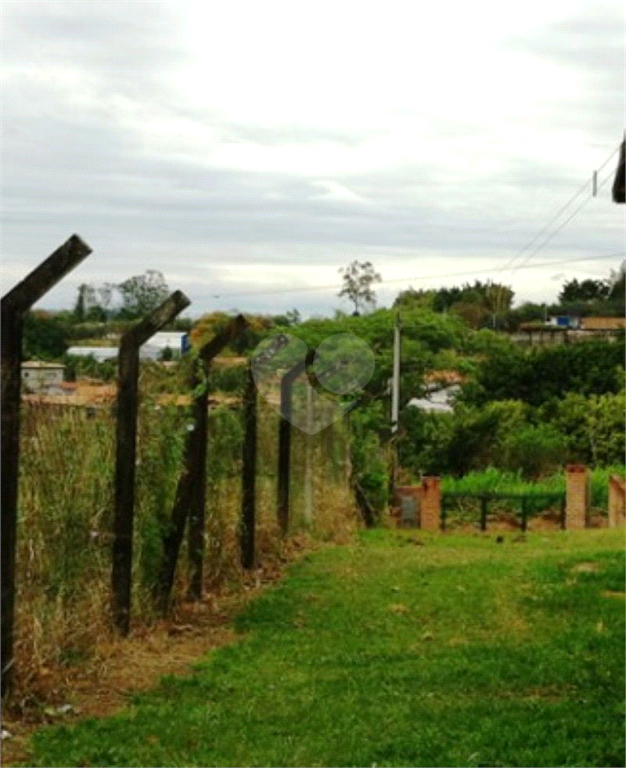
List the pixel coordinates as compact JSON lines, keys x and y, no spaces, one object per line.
{"x":248,"y":150}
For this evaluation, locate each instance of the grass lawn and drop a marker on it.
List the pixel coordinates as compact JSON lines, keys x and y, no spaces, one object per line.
{"x":403,"y":649}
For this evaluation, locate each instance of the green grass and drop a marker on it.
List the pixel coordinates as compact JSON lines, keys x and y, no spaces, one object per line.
{"x":497,"y":480}
{"x":405,"y":648}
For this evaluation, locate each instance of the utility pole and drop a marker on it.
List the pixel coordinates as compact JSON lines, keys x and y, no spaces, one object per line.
{"x":395,"y":407}
{"x":308,"y":459}
{"x":395,"y":381}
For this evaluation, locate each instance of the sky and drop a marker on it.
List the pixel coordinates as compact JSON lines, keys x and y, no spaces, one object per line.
{"x":250,"y":150}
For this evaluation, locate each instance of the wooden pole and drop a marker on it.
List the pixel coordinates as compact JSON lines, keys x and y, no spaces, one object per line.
{"x":197,"y":464}
{"x":248,"y":473}
{"x":284,"y":444}
{"x":13,"y":307}
{"x":125,"y":456}
{"x":191,"y":488}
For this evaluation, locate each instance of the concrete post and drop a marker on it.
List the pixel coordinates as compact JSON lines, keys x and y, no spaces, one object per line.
{"x":617,"y":503}
{"x":430,"y":512}
{"x":408,"y":498}
{"x":577,"y":496}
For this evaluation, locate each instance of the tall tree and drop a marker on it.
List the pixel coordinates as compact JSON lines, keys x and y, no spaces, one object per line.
{"x":85,"y":301}
{"x":617,"y":283}
{"x":142,"y":293}
{"x":585,"y":291}
{"x":358,"y":278}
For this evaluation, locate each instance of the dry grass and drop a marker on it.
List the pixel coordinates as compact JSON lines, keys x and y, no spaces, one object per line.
{"x":63,"y":632}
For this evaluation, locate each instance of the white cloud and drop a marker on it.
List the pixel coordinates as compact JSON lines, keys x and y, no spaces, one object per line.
{"x":243,"y":144}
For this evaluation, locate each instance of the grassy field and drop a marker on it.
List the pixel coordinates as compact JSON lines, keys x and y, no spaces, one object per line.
{"x":402,"y":649}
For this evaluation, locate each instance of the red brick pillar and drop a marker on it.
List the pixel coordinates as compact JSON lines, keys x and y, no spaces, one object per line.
{"x":577,"y":496}
{"x":430,"y":512}
{"x":617,"y":503}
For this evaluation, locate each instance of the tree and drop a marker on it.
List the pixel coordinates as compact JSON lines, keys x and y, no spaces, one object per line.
{"x":617,"y":282}
{"x":44,"y":336}
{"x":87,"y":306}
{"x":142,"y":293}
{"x":490,"y":298}
{"x":586,"y":291}
{"x":413,"y":298}
{"x":357,"y":284}
{"x":535,"y":451}
{"x":497,"y":300}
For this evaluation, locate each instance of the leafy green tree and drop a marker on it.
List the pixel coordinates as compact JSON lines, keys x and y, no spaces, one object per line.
{"x":617,"y":282}
{"x":358,"y":278}
{"x":540,"y":374}
{"x":472,"y":313}
{"x":44,"y":336}
{"x":494,"y":299}
{"x":415,"y":299}
{"x":142,"y":293}
{"x":585,"y":291}
{"x":606,"y":425}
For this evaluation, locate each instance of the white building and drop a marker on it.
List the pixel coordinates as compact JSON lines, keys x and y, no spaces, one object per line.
{"x":437,"y":400}
{"x":100,"y":354}
{"x":177,"y":341}
{"x":37,"y":375}
{"x":152,"y":350}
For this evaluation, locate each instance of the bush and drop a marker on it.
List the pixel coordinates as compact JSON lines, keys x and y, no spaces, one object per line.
{"x":535,"y":451}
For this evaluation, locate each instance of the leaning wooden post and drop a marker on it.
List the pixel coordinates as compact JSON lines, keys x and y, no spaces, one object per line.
{"x":196,"y":465}
{"x":284,"y":444}
{"x":248,"y":472}
{"x":126,"y":434}
{"x":13,"y":307}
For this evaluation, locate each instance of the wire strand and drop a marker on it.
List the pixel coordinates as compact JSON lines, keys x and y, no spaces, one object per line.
{"x":558,"y":213}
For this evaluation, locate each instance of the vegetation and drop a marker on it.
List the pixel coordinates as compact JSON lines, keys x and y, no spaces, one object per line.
{"x":66,"y":506}
{"x":357,"y":285}
{"x":437,"y":651}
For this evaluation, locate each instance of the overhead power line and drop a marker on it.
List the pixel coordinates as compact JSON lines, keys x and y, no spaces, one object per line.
{"x":560,"y":227}
{"x":439,"y":276}
{"x":588,"y":183}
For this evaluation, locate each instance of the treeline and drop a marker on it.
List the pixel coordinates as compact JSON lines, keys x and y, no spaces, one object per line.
{"x":490,"y":305}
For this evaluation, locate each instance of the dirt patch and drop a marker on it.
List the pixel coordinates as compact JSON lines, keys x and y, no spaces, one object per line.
{"x":586,"y":567}
{"x":613,"y":594}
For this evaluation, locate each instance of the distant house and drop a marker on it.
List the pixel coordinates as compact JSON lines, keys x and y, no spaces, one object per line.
{"x":441,"y":390}
{"x":602,"y":323}
{"x":153,"y":349}
{"x":564,"y":321}
{"x":176,"y":341}
{"x":38,"y":376}
{"x":565,"y":329}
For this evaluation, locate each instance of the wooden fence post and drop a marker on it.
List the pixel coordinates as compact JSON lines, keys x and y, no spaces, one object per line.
{"x":284,"y":444}
{"x":191,"y":488}
{"x":126,"y":436}
{"x":248,"y":472}
{"x":14,"y":305}
{"x":197,"y":463}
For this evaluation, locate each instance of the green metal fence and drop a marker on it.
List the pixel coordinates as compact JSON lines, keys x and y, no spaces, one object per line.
{"x":529,"y":503}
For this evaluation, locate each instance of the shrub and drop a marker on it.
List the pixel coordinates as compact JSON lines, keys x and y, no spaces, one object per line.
{"x":535,"y":450}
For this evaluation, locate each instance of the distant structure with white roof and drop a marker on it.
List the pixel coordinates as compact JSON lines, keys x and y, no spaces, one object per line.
{"x":153,"y":349}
